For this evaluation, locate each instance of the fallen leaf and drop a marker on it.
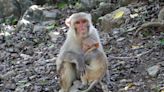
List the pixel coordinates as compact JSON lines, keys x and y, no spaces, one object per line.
{"x":130,"y":85}
{"x":118,"y":14}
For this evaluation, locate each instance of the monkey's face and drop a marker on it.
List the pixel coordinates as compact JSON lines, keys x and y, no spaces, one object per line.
{"x":79,"y":23}
{"x":81,"y":27}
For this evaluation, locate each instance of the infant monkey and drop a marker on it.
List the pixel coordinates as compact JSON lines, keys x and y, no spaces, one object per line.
{"x":89,"y":44}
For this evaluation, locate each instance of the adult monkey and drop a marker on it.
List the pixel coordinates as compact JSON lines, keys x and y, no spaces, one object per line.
{"x":72,"y":58}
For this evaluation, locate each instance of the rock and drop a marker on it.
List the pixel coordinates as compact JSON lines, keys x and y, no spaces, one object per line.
{"x":9,"y":74}
{"x":10,"y":86}
{"x":25,"y":57}
{"x":32,"y":26}
{"x":153,"y":71}
{"x":103,"y":9}
{"x":40,"y":2}
{"x":114,"y":19}
{"x":40,"y":70}
{"x":120,"y":39}
{"x":36,"y":14}
{"x":126,"y":2}
{"x":37,"y":88}
{"x":33,"y":15}
{"x":54,"y":36}
{"x":89,"y":4}
{"x":19,"y":89}
{"x":8,"y":8}
{"x":51,"y":14}
{"x":14,"y":7}
{"x":161,"y":14}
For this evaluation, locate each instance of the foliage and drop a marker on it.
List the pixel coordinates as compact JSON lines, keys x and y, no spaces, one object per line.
{"x":10,"y":21}
{"x":61,"y":5}
{"x":52,"y":26}
{"x":161,"y":41}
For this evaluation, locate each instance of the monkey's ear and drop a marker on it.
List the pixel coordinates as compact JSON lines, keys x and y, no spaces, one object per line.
{"x":90,"y":16}
{"x":68,"y":22}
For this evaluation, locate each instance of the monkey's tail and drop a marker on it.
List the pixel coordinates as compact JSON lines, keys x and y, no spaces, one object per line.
{"x":91,"y":86}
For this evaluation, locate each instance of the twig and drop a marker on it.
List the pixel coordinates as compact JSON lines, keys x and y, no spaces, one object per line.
{"x":137,"y":56}
{"x":148,"y":24}
{"x":50,"y":60}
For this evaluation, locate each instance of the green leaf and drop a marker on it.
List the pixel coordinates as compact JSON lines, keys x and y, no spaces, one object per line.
{"x":52,"y":26}
{"x":61,"y":5}
{"x":161,"y":41}
{"x":14,"y":21}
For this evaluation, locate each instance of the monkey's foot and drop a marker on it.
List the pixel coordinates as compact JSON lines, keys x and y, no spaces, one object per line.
{"x":83,"y":87}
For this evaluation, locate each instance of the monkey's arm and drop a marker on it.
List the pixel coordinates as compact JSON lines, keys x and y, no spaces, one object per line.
{"x":75,"y":58}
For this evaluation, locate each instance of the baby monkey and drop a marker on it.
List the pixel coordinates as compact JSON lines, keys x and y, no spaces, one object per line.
{"x":92,"y":73}
{"x":89,"y":44}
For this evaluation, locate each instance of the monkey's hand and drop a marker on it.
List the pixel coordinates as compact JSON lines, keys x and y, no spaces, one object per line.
{"x":82,"y":69}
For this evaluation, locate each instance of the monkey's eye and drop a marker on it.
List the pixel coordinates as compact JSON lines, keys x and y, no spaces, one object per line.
{"x":77,"y":22}
{"x":84,"y":21}
{"x":81,"y":21}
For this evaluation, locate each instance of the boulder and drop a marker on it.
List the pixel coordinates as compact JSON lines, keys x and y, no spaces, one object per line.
{"x":89,"y":4}
{"x":104,"y":8}
{"x":14,"y":7}
{"x":34,"y":15}
{"x":34,"y":25}
{"x":8,"y":8}
{"x":114,"y":19}
{"x":126,"y":2}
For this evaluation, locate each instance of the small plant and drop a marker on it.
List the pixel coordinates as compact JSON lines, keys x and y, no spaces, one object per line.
{"x":52,"y":26}
{"x":10,"y":21}
{"x":61,"y":5}
{"x":161,"y":41}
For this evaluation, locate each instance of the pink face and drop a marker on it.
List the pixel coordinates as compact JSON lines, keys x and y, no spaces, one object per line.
{"x":81,"y":27}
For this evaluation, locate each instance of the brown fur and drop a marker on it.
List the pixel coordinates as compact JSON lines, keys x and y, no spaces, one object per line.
{"x":96,"y":68}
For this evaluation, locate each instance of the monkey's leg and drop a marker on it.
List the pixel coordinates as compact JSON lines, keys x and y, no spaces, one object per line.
{"x":67,"y":76}
{"x":84,"y":80}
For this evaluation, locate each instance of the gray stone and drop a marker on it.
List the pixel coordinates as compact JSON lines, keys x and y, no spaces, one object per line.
{"x":14,"y":7}
{"x":91,"y":3}
{"x":51,"y":14}
{"x":19,"y":89}
{"x":114,"y":19}
{"x":9,"y":74}
{"x":153,"y":71}
{"x":10,"y":86}
{"x":8,"y":8}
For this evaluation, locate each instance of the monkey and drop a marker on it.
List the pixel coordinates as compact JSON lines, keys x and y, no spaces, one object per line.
{"x":73,"y":57}
{"x":91,"y":73}
{"x":89,"y":44}
{"x":95,"y":69}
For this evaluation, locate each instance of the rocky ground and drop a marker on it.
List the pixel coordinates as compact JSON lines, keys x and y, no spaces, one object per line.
{"x":28,"y":51}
